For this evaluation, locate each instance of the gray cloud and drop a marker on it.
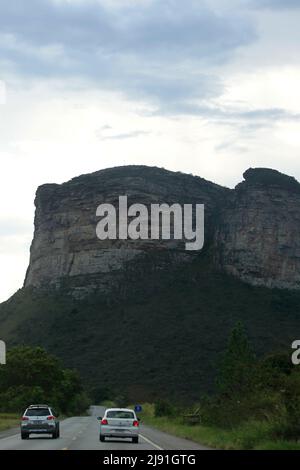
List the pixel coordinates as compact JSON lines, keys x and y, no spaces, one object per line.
{"x":274,"y":4}
{"x":157,"y":51}
{"x":160,"y":52}
{"x":246,"y":119}
{"x":166,"y":28}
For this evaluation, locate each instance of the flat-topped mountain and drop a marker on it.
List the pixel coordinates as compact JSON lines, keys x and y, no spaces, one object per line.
{"x":66,"y":249}
{"x":254,"y":230}
{"x":145,"y":318}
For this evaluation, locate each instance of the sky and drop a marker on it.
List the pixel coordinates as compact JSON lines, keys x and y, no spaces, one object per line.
{"x":204,"y":87}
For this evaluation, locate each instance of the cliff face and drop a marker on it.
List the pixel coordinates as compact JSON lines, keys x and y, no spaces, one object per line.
{"x":258,"y":237}
{"x":66,"y":250}
{"x":253,"y":230}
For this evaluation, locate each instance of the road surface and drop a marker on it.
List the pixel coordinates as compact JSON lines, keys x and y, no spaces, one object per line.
{"x":82,"y":433}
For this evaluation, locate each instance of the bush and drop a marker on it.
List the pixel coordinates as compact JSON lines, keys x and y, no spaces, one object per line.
{"x":164,"y":408}
{"x":16,"y":399}
{"x":251,"y":433}
{"x":121,"y":400}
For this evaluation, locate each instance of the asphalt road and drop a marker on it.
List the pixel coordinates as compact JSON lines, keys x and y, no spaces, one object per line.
{"x":82,"y":433}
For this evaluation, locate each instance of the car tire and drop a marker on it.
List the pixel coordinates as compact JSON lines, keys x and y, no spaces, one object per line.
{"x":54,"y":435}
{"x":135,"y":440}
{"x":58,"y":432}
{"x":24,"y":435}
{"x":102,"y":438}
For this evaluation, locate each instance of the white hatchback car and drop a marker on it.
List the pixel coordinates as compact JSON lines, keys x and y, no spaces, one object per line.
{"x":120,"y":423}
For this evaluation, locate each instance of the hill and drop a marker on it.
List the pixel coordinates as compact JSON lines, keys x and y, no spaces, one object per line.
{"x":166,"y":344}
{"x":147,"y":318}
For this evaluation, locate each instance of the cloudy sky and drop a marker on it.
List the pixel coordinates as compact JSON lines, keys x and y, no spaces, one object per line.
{"x":205,"y":87}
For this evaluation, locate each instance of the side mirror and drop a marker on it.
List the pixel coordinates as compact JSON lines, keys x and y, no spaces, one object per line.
{"x":139,"y":419}
{"x":99,"y":418}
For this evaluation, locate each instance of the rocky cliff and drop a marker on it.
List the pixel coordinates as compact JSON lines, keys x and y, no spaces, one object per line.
{"x":258,"y":235}
{"x":253,"y":230}
{"x":66,"y":251}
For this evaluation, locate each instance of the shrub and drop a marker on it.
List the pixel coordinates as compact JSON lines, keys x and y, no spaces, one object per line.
{"x":164,"y":408}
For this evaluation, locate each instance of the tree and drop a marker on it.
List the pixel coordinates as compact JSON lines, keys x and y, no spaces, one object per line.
{"x":27,"y":366}
{"x":237,"y":369}
{"x":31,"y":375}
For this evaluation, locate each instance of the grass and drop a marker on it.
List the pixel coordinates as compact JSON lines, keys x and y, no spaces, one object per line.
{"x":252,"y":435}
{"x":278,"y":445}
{"x":8,"y":420}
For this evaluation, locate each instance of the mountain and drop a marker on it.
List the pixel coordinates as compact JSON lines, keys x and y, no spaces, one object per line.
{"x":66,"y":250}
{"x":146,"y":317}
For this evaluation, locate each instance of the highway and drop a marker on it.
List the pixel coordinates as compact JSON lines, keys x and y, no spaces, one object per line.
{"x":82,"y":433}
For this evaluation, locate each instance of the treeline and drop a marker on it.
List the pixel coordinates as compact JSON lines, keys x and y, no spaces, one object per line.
{"x":258,"y":393}
{"x":252,"y":389}
{"x":32,"y":376}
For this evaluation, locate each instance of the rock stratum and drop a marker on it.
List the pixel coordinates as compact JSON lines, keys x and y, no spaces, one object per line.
{"x":253,"y":231}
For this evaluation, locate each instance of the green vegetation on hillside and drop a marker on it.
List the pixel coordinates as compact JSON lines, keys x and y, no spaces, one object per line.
{"x":164,"y":340}
{"x":256,"y":404}
{"x":267,"y":177}
{"x":33,"y":376}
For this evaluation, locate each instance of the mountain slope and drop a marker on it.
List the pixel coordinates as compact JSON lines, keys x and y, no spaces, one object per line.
{"x":153,"y":345}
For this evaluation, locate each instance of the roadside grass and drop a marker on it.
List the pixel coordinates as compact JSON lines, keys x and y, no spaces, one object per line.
{"x":8,"y":420}
{"x":278,"y":445}
{"x":253,"y":435}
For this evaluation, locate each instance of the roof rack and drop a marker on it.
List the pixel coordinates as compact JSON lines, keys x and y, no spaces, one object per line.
{"x":38,"y":406}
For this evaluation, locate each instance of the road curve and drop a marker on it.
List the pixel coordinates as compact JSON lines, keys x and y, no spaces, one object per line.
{"x":82,"y":433}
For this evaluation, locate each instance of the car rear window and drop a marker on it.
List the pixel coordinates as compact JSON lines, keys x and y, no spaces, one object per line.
{"x":38,"y":412}
{"x":120,"y":414}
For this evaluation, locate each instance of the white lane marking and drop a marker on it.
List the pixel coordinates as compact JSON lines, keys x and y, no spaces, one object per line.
{"x":150,"y":442}
{"x":9,"y":437}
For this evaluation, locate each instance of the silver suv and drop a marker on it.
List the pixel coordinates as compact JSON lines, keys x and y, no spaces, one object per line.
{"x":39,"y":419}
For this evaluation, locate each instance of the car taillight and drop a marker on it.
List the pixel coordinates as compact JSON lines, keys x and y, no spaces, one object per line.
{"x":104,"y":421}
{"x":24,"y":418}
{"x":50,"y":417}
{"x":135,"y":423}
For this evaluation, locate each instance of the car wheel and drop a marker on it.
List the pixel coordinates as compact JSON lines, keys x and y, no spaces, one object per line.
{"x":54,"y":435}
{"x":24,"y":435}
{"x":102,"y":438}
{"x":58,"y":432}
{"x":135,"y":440}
